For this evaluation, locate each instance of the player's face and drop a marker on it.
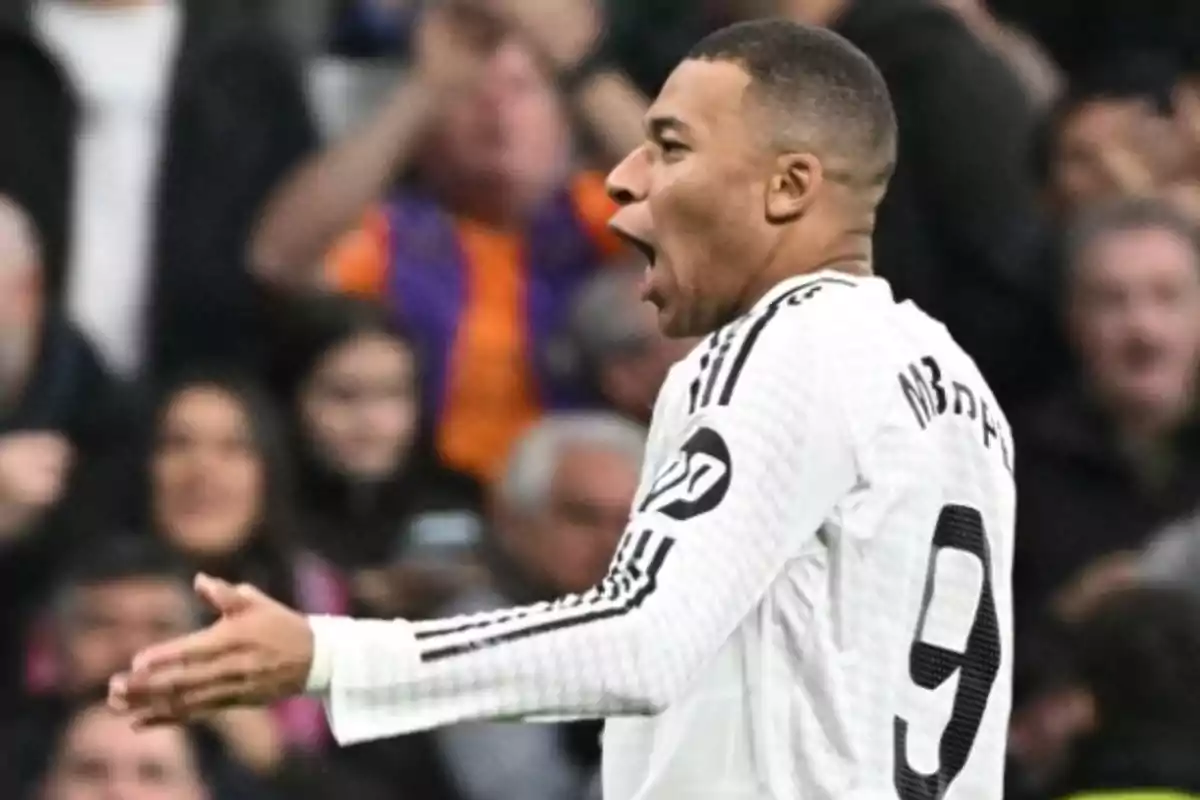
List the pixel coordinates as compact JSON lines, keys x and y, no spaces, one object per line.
{"x":692,"y":198}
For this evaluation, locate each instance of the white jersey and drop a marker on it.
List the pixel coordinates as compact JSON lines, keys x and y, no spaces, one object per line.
{"x":811,"y":602}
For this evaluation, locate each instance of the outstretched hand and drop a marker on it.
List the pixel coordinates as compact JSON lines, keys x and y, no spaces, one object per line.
{"x":257,"y":652}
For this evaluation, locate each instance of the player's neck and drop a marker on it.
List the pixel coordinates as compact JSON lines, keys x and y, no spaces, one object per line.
{"x":849,"y":254}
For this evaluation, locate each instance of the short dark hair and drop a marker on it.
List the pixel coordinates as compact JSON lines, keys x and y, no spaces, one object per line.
{"x":826,"y":90}
{"x":317,"y":323}
{"x":1124,"y":215}
{"x":122,"y":557}
{"x":1144,"y":75}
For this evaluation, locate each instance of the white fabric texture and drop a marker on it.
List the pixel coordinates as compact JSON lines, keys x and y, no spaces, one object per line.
{"x":812,"y":598}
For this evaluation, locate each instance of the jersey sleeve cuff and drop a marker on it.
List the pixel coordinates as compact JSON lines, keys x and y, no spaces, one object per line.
{"x":320,"y":674}
{"x":365,"y":672}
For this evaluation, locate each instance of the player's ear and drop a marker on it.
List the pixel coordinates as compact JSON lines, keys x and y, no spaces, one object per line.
{"x":793,"y":186}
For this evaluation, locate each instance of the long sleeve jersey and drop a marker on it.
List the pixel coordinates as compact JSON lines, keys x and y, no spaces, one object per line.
{"x":811,"y":599}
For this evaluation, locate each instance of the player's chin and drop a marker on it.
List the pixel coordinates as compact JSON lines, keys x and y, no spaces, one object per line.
{"x":675,"y":323}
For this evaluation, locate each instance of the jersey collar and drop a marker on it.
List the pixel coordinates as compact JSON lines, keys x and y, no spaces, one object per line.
{"x":811,"y":278}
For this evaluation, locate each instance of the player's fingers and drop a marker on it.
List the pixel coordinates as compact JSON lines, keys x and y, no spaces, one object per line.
{"x":223,"y":596}
{"x":201,"y":646}
{"x":180,"y":678}
{"x":195,"y":705}
{"x":217,"y":696}
{"x":162,"y":706}
{"x":118,"y":693}
{"x":251,"y":594}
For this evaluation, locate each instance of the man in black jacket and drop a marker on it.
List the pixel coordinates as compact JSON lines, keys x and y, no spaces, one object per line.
{"x":234,"y":120}
{"x":58,"y":405}
{"x":61,"y":414}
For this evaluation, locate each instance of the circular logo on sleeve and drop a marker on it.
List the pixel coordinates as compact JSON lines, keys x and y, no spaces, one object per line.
{"x":693,"y":482}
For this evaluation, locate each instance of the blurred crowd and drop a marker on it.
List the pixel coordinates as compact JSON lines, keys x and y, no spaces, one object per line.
{"x":318,"y":295}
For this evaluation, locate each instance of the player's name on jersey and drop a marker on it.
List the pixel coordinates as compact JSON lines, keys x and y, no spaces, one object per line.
{"x":931,"y":394}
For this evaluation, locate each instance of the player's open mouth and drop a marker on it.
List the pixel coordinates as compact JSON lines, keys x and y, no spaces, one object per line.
{"x":642,"y":246}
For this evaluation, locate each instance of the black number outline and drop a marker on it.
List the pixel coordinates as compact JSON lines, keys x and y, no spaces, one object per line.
{"x":958,"y":528}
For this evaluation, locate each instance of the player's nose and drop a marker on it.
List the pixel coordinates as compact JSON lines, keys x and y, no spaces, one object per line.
{"x":628,"y":181}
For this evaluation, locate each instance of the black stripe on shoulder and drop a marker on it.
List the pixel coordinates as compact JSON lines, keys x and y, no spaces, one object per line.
{"x":706,"y":360}
{"x":793,"y":298}
{"x":718,"y":362}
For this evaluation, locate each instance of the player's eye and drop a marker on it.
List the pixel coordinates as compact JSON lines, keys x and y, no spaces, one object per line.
{"x":672,"y":149}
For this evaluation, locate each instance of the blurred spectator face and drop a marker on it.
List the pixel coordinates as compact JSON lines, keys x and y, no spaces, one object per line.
{"x":1185,"y":198}
{"x":208,"y":480}
{"x":20,"y":290}
{"x":569,"y":544}
{"x":103,"y":758}
{"x":1043,"y":730}
{"x":631,"y":378}
{"x":1078,"y":174}
{"x":631,"y":369}
{"x":509,"y":134}
{"x":812,"y":12}
{"x":1136,"y":319}
{"x":104,"y":626}
{"x":1187,"y":117}
{"x":359,"y":406}
{"x":1105,"y":148}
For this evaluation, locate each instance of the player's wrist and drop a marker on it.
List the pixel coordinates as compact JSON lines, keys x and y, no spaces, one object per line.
{"x":320,"y":671}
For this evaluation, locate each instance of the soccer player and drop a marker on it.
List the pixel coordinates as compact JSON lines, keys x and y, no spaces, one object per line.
{"x":812,"y":598}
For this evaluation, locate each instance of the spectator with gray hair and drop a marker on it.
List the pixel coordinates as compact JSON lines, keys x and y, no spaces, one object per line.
{"x":56,"y":399}
{"x":615,"y":343}
{"x":1108,"y":460}
{"x":560,"y":506}
{"x":61,"y":415}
